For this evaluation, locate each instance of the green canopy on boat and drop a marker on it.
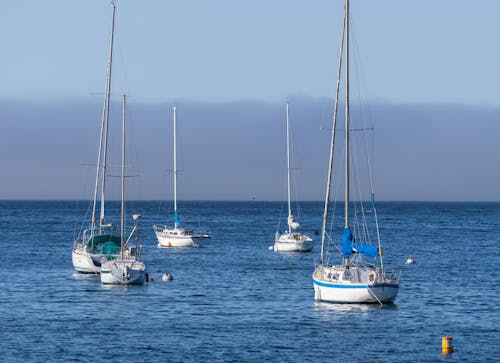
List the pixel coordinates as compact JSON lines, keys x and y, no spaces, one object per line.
{"x":105,"y":243}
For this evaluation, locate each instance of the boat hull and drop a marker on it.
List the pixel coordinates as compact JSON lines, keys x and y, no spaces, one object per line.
{"x":123,"y":273}
{"x":293,"y":246}
{"x":295,"y":242}
{"x":355,"y":293}
{"x":169,"y":241}
{"x":355,"y":284}
{"x":177,"y":237}
{"x":83,"y":262}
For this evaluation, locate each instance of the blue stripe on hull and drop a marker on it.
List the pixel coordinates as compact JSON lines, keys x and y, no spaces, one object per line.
{"x":342,"y":286}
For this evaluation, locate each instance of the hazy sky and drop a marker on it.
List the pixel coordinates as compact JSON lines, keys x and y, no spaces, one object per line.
{"x":226,"y":50}
{"x":428,"y":69}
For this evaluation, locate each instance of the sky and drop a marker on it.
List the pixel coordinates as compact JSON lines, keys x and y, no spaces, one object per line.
{"x":226,"y":50}
{"x":427,"y":70}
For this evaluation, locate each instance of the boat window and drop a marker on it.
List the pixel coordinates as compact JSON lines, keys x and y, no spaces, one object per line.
{"x":347,"y":275}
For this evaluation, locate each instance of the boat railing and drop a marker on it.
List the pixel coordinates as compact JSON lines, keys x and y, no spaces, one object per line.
{"x":390,"y":274}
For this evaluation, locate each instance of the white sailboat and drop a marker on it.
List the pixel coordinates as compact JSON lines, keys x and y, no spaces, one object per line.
{"x":127,"y":268}
{"x":100,"y":239}
{"x":357,"y":279}
{"x":177,"y":236}
{"x":291,"y":240}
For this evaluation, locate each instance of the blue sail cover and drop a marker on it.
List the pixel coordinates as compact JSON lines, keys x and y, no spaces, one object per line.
{"x":347,"y":242}
{"x":348,"y":246}
{"x":176,"y":219}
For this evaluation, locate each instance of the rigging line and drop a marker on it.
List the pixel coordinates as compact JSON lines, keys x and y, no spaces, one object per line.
{"x":370,"y":177}
{"x":280,"y":215}
{"x":76,"y":233}
{"x":360,"y":78}
{"x":134,"y":156}
{"x":122,"y":62}
{"x":158,"y":209}
{"x":336,"y":192}
{"x":334,"y":122}
{"x":375,"y":296}
{"x":370,"y":172}
{"x":363,"y":223}
{"x":295,"y":178}
{"x":75,"y":223}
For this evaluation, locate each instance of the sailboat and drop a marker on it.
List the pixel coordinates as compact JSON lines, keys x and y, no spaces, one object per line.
{"x":127,"y":268}
{"x":100,"y":239}
{"x":291,"y":240}
{"x":361,"y":277}
{"x":177,"y":236}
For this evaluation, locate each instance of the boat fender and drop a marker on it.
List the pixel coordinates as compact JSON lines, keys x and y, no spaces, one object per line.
{"x":126,"y":273}
{"x":372,"y":278}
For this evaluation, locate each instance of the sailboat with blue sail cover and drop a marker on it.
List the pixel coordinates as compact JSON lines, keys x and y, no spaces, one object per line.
{"x":361,"y":277}
{"x":177,"y":236}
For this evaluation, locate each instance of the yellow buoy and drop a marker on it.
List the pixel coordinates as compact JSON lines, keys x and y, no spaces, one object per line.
{"x":447,"y":345}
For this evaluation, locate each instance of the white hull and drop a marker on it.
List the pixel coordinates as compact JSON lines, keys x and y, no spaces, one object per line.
{"x":169,"y":241}
{"x":82,"y":261}
{"x":296,"y":242}
{"x":177,"y":237}
{"x":123,"y":272}
{"x":293,"y":246}
{"x":359,"y":289}
{"x":355,"y":293}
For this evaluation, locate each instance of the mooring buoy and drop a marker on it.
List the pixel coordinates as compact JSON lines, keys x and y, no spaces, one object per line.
{"x":447,"y":345}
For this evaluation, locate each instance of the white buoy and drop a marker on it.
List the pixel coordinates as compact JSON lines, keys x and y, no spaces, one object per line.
{"x":410,"y":261}
{"x":167,"y":277}
{"x":270,"y":247}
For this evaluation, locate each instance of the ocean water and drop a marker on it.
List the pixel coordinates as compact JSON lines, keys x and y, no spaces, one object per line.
{"x":235,"y":300}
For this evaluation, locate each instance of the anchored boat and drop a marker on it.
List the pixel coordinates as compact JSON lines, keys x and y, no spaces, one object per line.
{"x":177,"y":236}
{"x":361,"y":276}
{"x":127,"y":268}
{"x":291,"y":240}
{"x":100,"y":239}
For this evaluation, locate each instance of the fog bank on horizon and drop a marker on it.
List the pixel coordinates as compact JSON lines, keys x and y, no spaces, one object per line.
{"x":236,"y":150}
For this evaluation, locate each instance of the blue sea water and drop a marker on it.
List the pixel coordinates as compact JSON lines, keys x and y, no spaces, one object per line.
{"x":235,"y":300}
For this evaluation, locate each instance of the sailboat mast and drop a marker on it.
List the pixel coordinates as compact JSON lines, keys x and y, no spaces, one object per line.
{"x":98,"y":168}
{"x":122,"y":217}
{"x":288,"y":169}
{"x":106,"y":115}
{"x":330,"y":163}
{"x":346,"y":205}
{"x":176,"y":218}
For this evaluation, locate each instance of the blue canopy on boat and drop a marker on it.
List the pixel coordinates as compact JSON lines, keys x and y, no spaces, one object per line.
{"x":348,"y":246}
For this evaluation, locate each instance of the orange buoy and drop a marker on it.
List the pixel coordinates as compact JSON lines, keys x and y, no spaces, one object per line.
{"x":447,"y":345}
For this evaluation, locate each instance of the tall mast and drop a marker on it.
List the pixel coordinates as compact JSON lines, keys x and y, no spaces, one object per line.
{"x":106,"y":114}
{"x":176,"y":217}
{"x":346,"y":205}
{"x":102,"y":133}
{"x":122,"y":217}
{"x":288,"y":169}
{"x":330,"y":164}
